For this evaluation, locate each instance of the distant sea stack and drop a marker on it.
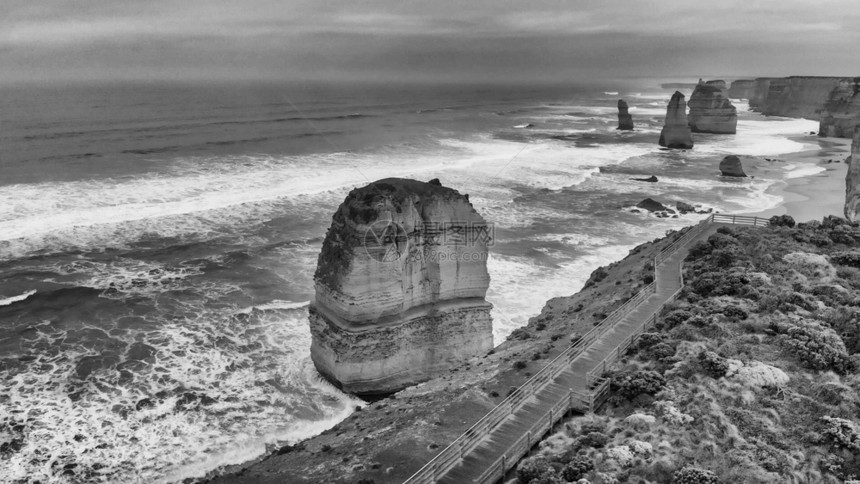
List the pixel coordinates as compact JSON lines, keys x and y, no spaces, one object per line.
{"x":741,"y":89}
{"x":625,"y":121}
{"x":731,"y":166}
{"x":400,"y":286}
{"x":841,"y":110}
{"x":852,"y":181}
{"x":710,"y":109}
{"x":676,"y":130}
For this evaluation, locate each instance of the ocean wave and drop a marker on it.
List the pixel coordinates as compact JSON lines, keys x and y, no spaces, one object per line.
{"x":794,"y":171}
{"x":191,"y":393}
{"x":21,"y":297}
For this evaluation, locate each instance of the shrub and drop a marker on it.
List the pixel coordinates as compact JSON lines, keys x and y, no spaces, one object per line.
{"x":699,"y":250}
{"x":735,"y":313}
{"x":520,"y":365}
{"x":726,"y":257}
{"x":533,"y":468}
{"x":676,"y":317}
{"x":782,"y":221}
{"x":593,"y":439}
{"x":632,"y":384}
{"x":720,"y":283}
{"x":847,"y":258}
{"x":722,"y":241}
{"x":713,"y":364}
{"x":577,"y":469}
{"x":590,"y":426}
{"x":816,"y":347}
{"x":519,"y":334}
{"x":841,"y":237}
{"x":694,"y":475}
{"x":646,"y":340}
{"x":661,"y":351}
{"x":842,"y":433}
{"x":598,"y":275}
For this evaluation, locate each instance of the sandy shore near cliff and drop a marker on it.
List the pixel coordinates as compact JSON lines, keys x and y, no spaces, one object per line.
{"x":815,"y":196}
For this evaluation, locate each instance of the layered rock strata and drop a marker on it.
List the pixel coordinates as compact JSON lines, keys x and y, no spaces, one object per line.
{"x":676,"y":130}
{"x":796,"y":96}
{"x":625,"y":120}
{"x":711,"y":111}
{"x":741,"y":89}
{"x":400,"y":286}
{"x":841,"y":112}
{"x":731,"y":166}
{"x":758,"y":97}
{"x":852,"y":181}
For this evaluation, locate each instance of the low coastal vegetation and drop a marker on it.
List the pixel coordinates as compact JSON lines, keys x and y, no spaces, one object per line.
{"x":752,"y":375}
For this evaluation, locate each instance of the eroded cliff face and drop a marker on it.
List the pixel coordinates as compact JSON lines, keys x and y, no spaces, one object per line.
{"x":742,"y":89}
{"x":625,"y":120}
{"x":710,"y":109}
{"x":676,"y":130}
{"x":400,"y":286}
{"x":796,"y":97}
{"x":852,"y":181}
{"x":841,"y":112}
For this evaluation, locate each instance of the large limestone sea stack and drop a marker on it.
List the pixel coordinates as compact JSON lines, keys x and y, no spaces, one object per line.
{"x":852,"y":181}
{"x":711,"y":111}
{"x":676,"y":131}
{"x":400,"y":287}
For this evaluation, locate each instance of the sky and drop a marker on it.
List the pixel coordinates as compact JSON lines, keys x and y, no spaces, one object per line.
{"x":424,"y":41}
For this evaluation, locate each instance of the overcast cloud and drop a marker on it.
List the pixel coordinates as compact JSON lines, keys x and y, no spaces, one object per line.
{"x":430,"y":40}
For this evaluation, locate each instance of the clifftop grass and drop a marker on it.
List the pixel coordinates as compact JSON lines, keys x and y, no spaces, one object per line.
{"x":751,"y":376}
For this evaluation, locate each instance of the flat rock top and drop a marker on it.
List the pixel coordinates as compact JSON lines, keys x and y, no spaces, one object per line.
{"x":402,"y":188}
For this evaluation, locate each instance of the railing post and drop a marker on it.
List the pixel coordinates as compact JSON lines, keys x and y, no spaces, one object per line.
{"x":504,"y":465}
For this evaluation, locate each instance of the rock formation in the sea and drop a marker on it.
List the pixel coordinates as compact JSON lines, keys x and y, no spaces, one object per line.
{"x":841,"y":110}
{"x":652,"y":205}
{"x":741,"y":89}
{"x":710,"y":109}
{"x":852,"y":181}
{"x":400,"y":286}
{"x":731,"y":166}
{"x":676,"y":131}
{"x":650,"y":179}
{"x":625,"y":121}
{"x":684,"y":207}
{"x":796,"y":96}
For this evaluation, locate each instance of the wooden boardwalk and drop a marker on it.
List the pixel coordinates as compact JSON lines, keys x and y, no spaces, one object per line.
{"x":500,"y":440}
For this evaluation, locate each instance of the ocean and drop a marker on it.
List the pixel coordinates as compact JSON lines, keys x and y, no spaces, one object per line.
{"x":158,"y":243}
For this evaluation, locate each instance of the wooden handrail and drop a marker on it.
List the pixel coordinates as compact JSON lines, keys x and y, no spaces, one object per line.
{"x":450,"y":456}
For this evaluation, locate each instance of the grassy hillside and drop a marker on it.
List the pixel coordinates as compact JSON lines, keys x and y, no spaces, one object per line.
{"x":752,"y":375}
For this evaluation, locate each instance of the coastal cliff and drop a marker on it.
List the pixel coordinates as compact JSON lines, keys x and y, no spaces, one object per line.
{"x":400,"y":286}
{"x":625,"y":120}
{"x":710,"y":109}
{"x":742,"y":89}
{"x":676,"y":130}
{"x":796,"y":96}
{"x":841,"y":110}
{"x":852,"y":181}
